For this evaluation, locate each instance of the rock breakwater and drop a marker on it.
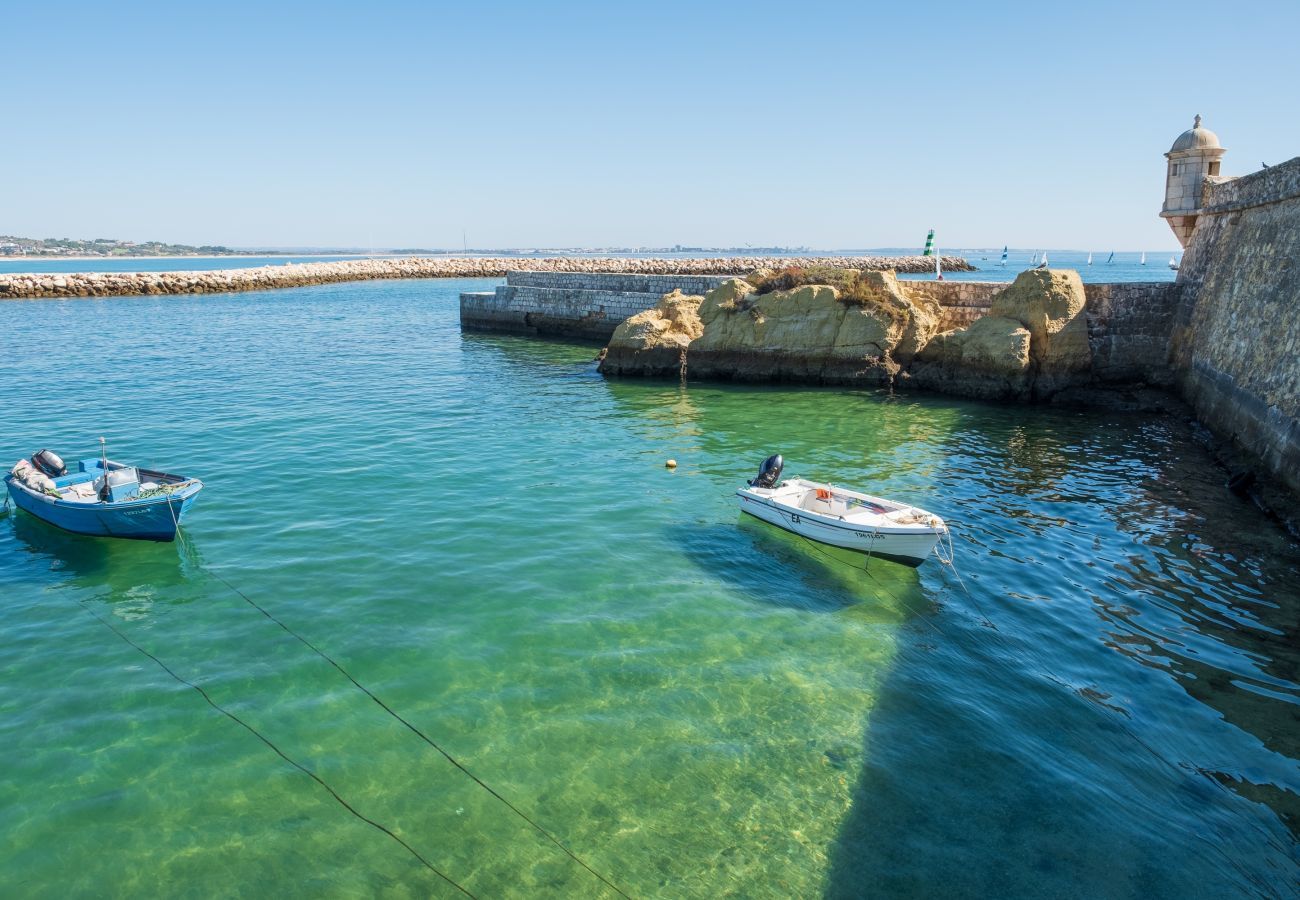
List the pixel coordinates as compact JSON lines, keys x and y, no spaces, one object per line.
{"x":38,"y":285}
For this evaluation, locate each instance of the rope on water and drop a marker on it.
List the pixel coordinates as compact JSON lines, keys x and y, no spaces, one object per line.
{"x":412,"y":728}
{"x":265,"y":740}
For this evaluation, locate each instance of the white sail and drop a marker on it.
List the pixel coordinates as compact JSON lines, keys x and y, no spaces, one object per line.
{"x":1144,"y":257}
{"x":1089,"y":257}
{"x":938,"y":269}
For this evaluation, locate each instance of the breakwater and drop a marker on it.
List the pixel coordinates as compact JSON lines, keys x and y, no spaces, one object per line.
{"x":40,"y":285}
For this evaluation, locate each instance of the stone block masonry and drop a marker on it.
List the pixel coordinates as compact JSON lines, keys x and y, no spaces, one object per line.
{"x":1236,"y":336}
{"x":1129,"y":326}
{"x":1128,"y":323}
{"x":573,"y":304}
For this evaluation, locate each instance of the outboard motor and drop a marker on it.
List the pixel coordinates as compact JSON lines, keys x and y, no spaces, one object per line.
{"x":49,"y":463}
{"x":769,"y":473}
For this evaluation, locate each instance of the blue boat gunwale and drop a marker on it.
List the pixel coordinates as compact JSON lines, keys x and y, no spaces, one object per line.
{"x":190,"y":486}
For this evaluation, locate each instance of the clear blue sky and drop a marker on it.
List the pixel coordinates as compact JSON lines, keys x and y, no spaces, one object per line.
{"x":526,"y":124}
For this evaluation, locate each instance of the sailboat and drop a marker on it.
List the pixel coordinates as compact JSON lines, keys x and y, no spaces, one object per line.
{"x":1043,"y":264}
{"x":1110,"y":259}
{"x":1089,"y":257}
{"x":1004,"y":255}
{"x":1173,"y":264}
{"x":938,"y":269}
{"x":1144,"y":258}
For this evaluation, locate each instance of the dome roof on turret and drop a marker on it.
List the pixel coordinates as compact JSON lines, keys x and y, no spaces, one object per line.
{"x":1196,"y":138}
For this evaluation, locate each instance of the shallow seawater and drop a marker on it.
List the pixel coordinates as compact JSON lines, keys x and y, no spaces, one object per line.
{"x":1105,"y":701}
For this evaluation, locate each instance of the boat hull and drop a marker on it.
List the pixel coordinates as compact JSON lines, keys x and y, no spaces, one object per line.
{"x":909,"y":547}
{"x":154,"y":519}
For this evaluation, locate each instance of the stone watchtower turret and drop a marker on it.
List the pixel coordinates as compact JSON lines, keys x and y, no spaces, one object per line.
{"x":1193,"y":156}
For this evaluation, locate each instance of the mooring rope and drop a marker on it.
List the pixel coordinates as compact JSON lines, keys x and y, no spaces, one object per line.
{"x":412,"y":728}
{"x":290,"y":760}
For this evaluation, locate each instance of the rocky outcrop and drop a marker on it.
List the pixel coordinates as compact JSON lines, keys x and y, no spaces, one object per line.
{"x":990,"y":360}
{"x":809,"y":334}
{"x":37,"y":285}
{"x":654,"y":342}
{"x":1032,"y":345}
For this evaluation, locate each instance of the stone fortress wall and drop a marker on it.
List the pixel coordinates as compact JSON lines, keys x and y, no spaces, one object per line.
{"x":1235,"y":346}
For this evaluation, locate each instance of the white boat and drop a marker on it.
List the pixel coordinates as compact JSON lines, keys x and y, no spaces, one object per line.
{"x":1144,"y":258}
{"x":1173,"y":264}
{"x":1089,"y":257}
{"x":882,"y":529}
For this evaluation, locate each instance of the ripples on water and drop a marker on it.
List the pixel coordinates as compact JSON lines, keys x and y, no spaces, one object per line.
{"x":481,"y":529}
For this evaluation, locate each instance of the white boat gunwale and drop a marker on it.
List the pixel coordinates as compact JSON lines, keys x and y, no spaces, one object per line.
{"x":870,"y":530}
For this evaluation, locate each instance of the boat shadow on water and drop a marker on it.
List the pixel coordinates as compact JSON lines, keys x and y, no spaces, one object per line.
{"x":777,"y":568}
{"x":115,"y":569}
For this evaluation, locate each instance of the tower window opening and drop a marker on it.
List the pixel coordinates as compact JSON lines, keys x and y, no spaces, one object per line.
{"x":1214,"y":167}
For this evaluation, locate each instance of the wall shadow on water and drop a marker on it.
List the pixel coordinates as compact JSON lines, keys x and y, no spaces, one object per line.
{"x":964,"y":795}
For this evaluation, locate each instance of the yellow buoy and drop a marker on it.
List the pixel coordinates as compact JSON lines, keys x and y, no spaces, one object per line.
{"x":671,"y":464}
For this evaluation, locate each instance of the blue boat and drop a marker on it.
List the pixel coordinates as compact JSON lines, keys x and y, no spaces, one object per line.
{"x":102,"y":498}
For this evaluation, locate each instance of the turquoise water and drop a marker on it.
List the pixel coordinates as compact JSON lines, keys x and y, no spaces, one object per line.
{"x":482,"y":531}
{"x":1125,"y":267}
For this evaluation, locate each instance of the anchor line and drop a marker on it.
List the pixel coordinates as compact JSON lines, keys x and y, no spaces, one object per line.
{"x":1180,"y":768}
{"x":412,"y":728}
{"x":290,"y":760}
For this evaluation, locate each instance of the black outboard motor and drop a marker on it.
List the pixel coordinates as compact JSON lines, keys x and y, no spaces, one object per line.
{"x":49,"y":462}
{"x":769,"y":473}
